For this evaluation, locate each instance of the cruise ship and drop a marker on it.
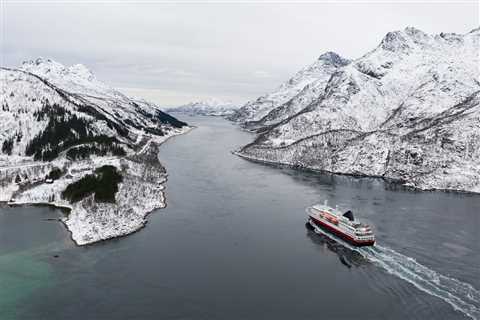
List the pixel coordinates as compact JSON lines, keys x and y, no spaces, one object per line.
{"x":340,"y":224}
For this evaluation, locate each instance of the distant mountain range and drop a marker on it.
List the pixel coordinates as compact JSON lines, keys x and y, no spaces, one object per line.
{"x":406,"y":111}
{"x":209,"y":107}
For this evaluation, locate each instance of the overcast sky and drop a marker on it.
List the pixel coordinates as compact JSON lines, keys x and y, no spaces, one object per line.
{"x":175,"y":53}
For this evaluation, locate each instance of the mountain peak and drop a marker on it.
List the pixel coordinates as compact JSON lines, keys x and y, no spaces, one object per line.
{"x":208,"y":107}
{"x":211,"y":102}
{"x":48,"y":67}
{"x":416,"y":34}
{"x":42,"y":63}
{"x":81,"y":71}
{"x":413,"y":31}
{"x":334,"y":58}
{"x":395,"y":40}
{"x":38,"y":61}
{"x":407,"y":38}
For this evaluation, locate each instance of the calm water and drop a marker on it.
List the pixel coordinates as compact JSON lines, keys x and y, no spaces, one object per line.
{"x":232,"y":244}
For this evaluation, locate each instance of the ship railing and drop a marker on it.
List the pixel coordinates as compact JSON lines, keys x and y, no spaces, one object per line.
{"x":370,"y":237}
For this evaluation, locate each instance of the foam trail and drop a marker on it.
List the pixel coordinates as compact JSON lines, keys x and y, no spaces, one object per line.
{"x":460,"y":295}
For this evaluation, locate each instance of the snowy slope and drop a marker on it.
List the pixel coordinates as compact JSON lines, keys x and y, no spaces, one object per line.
{"x":62,"y":120}
{"x":43,"y":92}
{"x":408,"y":111}
{"x":292,"y":95}
{"x":209,"y":107}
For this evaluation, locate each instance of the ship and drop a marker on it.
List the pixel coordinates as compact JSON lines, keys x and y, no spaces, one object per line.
{"x":342,"y":225}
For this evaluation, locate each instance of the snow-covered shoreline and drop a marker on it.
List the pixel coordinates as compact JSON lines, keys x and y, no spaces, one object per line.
{"x":140,"y":193}
{"x":407,"y":185}
{"x":68,"y":209}
{"x":77,"y":229}
{"x":71,"y":141}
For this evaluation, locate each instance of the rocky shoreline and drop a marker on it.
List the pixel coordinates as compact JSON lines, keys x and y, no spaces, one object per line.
{"x":402,"y":183}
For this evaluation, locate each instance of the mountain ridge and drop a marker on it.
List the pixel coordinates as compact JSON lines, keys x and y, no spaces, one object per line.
{"x":208,"y":107}
{"x":257,"y":111}
{"x":72,"y":141}
{"x":410,"y":93}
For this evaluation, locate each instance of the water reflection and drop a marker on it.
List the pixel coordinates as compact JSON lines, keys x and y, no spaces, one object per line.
{"x":317,"y":178}
{"x":347,"y":257}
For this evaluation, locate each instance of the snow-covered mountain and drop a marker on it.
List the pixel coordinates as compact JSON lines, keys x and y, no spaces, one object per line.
{"x":407,"y":111}
{"x":61,"y":127}
{"x":291,"y":96}
{"x":209,"y":107}
{"x":43,"y":95}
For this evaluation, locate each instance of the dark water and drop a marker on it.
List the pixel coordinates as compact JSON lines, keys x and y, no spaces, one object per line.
{"x":232,"y":244}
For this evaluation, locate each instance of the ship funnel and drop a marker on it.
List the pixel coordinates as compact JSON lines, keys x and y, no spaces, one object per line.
{"x":349,"y":215}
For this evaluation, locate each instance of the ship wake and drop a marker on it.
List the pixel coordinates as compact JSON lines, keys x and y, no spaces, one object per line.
{"x":462,"y":296}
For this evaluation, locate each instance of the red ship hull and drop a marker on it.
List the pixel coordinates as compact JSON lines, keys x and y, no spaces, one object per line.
{"x":338,"y":233}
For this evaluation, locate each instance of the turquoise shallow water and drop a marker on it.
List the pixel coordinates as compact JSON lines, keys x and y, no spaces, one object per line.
{"x":21,"y":276}
{"x":28,"y":245}
{"x":232,"y":244}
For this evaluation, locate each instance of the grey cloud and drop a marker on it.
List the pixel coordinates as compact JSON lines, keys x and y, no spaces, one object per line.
{"x":174,"y":53}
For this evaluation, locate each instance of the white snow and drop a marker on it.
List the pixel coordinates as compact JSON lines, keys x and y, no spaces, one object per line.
{"x":25,"y":91}
{"x":208,"y":107}
{"x":293,"y":95}
{"x":408,"y":111}
{"x":140,"y":192}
